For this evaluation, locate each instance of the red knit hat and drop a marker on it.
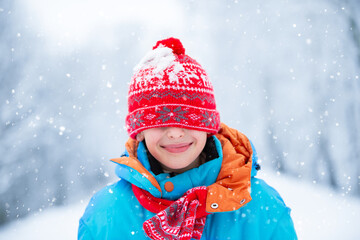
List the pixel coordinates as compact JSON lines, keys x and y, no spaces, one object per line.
{"x":170,"y":89}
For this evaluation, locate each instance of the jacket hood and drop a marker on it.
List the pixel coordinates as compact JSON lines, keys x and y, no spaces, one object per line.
{"x":227,"y":177}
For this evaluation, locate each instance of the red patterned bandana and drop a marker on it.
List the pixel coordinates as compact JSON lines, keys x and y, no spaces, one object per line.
{"x":181,"y":219}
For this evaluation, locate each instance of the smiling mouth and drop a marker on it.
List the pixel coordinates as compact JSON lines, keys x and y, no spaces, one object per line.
{"x":177,"y":148}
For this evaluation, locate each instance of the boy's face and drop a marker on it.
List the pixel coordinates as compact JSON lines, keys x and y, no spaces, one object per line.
{"x":177,"y":149}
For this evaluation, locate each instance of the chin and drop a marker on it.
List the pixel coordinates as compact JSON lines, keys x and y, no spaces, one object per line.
{"x":177,"y":167}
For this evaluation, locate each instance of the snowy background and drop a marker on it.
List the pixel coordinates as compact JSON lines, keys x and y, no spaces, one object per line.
{"x":285,"y":73}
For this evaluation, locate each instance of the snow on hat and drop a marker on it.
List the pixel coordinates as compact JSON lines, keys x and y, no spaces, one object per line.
{"x":170,"y":89}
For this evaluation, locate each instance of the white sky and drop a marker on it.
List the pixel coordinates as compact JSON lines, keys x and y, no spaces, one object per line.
{"x":75,"y":22}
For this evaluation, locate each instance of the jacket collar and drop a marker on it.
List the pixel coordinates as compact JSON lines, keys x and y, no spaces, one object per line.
{"x":226,"y":177}
{"x":204,"y":175}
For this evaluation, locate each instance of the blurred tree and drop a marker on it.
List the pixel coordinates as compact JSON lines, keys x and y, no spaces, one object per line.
{"x":44,"y":161}
{"x":353,"y":85}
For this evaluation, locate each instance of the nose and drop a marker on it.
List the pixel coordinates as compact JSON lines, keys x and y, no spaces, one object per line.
{"x":174,"y":132}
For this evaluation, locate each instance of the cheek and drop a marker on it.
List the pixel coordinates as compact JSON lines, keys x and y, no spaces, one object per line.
{"x":201,"y":138}
{"x":151,"y":136}
{"x":151,"y":144}
{"x":152,"y":140}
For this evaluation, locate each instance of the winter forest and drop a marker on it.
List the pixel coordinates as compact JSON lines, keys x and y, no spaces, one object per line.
{"x":285,"y":73}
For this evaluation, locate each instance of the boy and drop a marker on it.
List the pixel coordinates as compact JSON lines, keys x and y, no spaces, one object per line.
{"x":184,"y":175}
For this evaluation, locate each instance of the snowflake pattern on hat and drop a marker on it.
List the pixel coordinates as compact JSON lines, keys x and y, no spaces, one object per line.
{"x":209,"y":119}
{"x":135,"y":119}
{"x":177,"y":114}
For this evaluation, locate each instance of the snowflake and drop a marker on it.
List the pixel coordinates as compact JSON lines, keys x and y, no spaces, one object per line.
{"x":135,"y":119}
{"x":177,"y":114}
{"x":209,"y":119}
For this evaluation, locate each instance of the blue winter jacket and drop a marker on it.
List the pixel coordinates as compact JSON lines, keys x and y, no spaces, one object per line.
{"x":115,"y":213}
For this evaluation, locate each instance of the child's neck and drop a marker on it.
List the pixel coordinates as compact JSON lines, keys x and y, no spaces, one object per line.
{"x":196,"y":163}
